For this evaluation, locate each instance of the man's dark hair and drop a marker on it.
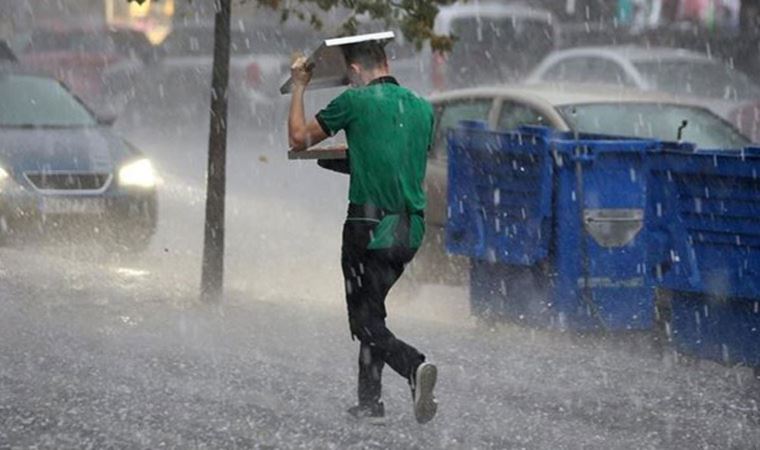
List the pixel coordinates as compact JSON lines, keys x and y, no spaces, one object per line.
{"x":370,"y":55}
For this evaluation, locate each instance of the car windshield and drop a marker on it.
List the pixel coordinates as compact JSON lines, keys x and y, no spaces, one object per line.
{"x":30,"y":101}
{"x":652,"y":120}
{"x":700,"y":78}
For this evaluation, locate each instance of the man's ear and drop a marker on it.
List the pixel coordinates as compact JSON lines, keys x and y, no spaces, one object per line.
{"x":354,"y":74}
{"x":354,"y":68}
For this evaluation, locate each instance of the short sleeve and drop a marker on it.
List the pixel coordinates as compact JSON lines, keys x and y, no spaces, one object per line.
{"x":336,"y":115}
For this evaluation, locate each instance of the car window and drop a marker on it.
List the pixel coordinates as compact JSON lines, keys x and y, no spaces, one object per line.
{"x":651,"y":120}
{"x":37,"y":101}
{"x":514,"y":115}
{"x":700,"y":78}
{"x":571,"y":70}
{"x":587,"y":70}
{"x":450,"y":113}
{"x":607,"y":71}
{"x":6,"y":53}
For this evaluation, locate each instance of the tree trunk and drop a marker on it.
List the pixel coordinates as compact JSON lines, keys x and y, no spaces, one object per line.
{"x":212,"y":277}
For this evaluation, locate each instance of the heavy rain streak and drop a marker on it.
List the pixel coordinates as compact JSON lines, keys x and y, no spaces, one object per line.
{"x":172,"y":263}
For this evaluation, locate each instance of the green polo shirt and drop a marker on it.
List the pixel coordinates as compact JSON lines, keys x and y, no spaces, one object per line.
{"x":389,"y":130}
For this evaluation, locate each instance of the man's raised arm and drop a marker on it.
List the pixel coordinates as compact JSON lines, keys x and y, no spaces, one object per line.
{"x":301,"y":134}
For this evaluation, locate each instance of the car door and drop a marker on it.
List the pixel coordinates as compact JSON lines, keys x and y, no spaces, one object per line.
{"x":448,"y":114}
{"x":608,"y":71}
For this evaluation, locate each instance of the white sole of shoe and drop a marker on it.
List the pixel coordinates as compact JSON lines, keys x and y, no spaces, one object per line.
{"x":375,"y":421}
{"x":425,"y":405}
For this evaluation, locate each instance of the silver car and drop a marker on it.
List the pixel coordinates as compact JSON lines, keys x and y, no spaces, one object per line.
{"x":679,"y":72}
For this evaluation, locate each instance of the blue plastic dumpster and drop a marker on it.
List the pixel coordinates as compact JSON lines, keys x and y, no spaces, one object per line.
{"x":704,"y":229}
{"x":552,"y":223}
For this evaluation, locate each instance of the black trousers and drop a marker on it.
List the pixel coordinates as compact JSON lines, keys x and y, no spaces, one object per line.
{"x":369,"y":275}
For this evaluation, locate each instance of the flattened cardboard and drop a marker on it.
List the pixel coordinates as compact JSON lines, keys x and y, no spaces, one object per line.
{"x":329,"y":65}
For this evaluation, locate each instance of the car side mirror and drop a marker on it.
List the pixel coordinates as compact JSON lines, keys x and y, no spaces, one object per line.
{"x":107,"y":119}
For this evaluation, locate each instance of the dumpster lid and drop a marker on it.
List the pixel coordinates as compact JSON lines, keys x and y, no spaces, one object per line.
{"x":330,"y":65}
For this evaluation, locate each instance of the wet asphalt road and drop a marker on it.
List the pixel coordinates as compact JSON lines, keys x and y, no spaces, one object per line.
{"x":103,"y":351}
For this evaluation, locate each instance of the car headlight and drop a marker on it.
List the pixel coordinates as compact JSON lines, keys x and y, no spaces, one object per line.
{"x":139,"y":173}
{"x":4,"y":175}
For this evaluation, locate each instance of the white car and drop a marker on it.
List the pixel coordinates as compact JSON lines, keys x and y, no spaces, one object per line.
{"x":579,"y":108}
{"x":675,"y":71}
{"x":492,"y":38}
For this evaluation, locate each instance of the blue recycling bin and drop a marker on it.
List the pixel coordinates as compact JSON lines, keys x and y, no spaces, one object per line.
{"x":704,"y":229}
{"x":553,"y":225}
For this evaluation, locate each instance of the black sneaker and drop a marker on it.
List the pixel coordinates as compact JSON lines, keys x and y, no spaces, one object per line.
{"x":372,"y":413}
{"x":423,"y":384}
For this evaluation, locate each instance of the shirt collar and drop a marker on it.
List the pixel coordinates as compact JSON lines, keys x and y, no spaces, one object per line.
{"x":383,"y":80}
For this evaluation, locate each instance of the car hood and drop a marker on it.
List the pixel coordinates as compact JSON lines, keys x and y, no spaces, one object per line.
{"x":90,"y":149}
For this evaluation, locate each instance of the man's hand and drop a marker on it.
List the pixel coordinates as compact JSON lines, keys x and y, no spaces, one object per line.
{"x":300,"y":71}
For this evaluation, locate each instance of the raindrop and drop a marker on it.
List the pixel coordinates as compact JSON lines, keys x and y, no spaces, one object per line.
{"x":726,"y":357}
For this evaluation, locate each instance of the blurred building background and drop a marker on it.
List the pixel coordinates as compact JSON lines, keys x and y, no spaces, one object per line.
{"x":704,"y":25}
